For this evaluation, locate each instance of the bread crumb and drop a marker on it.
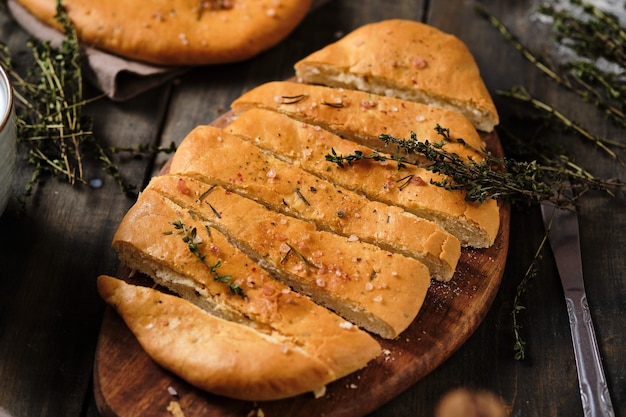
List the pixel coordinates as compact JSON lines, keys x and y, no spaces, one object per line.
{"x":320,"y":392}
{"x":463,"y":402}
{"x":256,"y":413}
{"x":346,"y":325}
{"x":175,"y":409}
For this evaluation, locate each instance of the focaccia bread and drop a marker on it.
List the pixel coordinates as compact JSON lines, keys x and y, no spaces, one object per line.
{"x":405,"y":59}
{"x":154,"y":238}
{"x":409,"y":188}
{"x":379,"y":291}
{"x":224,"y":357}
{"x":287,"y":189}
{"x":274,"y":249}
{"x":363,"y":117}
{"x":186,"y":32}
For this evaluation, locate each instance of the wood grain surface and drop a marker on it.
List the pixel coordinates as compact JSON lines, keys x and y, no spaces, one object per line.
{"x":128,"y":383}
{"x":55,"y":243}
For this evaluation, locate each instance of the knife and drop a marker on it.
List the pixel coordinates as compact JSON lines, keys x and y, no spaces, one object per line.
{"x":561,"y":224}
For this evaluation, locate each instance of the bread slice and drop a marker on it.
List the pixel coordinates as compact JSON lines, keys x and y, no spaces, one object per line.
{"x":409,"y":188}
{"x":227,"y":358}
{"x":405,"y":59}
{"x":375,"y":289}
{"x":290,"y":190}
{"x":362,"y":117}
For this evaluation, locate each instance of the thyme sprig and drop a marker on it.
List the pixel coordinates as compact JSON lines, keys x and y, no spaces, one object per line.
{"x":598,"y":43}
{"x":349,"y":159}
{"x":506,"y":179}
{"x":191,"y":238}
{"x":551,"y":113}
{"x":599,"y":36}
{"x":519,"y":345}
{"x":52,"y":126}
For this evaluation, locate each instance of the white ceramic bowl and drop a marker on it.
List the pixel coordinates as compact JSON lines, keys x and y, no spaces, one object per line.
{"x":8,"y":138}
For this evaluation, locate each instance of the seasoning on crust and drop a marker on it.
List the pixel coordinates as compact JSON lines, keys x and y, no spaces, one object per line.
{"x":182,"y":33}
{"x":409,"y":188}
{"x":148,"y":241}
{"x":288,"y":189}
{"x":408,"y":60}
{"x":363,"y":117}
{"x":372,"y":288}
{"x":217,"y":355}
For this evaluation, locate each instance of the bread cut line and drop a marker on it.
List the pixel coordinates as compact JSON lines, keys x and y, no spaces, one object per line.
{"x":147,"y":241}
{"x":232,"y":359}
{"x":246,"y":169}
{"x":409,"y":188}
{"x":377,"y":290}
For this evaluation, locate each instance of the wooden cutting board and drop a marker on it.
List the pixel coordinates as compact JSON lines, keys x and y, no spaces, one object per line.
{"x":128,"y":383}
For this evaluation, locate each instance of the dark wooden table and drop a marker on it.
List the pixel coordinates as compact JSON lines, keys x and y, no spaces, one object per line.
{"x":52,"y":251}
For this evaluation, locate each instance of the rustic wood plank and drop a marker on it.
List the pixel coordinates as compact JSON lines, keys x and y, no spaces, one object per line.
{"x":50,"y":313}
{"x":51,"y":250}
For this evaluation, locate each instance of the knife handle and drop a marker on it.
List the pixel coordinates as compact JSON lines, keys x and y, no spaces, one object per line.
{"x":592,"y":382}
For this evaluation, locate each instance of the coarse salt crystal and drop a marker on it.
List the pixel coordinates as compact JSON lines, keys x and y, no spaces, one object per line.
{"x":353,"y":238}
{"x":346,"y":325}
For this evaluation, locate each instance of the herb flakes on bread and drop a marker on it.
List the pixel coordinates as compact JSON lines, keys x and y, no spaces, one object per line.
{"x":280,"y":255}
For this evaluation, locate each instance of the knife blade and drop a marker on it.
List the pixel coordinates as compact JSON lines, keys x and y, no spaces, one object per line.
{"x":561,"y":224}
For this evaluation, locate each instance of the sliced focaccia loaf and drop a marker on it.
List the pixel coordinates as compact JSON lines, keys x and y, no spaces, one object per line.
{"x":218,"y":157}
{"x":181,"y":253}
{"x":221,"y":356}
{"x":408,"y":60}
{"x":363,"y":117}
{"x":410,"y":187}
{"x":373,"y":288}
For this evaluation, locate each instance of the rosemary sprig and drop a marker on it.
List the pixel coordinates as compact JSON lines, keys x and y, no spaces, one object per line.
{"x":190,"y":237}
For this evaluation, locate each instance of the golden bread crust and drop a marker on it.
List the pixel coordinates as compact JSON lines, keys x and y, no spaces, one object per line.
{"x":474,"y":225}
{"x":406,"y":59}
{"x":147,"y":241}
{"x":385,"y":225}
{"x":361,"y":116}
{"x":213,"y":354}
{"x":334,"y":271}
{"x":179,"y":33}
